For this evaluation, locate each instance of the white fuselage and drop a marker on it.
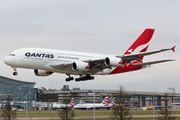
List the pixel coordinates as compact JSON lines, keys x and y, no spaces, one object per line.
{"x":59,"y":106}
{"x":37,"y":58}
{"x":89,"y":106}
{"x":46,"y":61}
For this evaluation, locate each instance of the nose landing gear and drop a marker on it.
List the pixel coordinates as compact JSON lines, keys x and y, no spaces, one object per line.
{"x":15,"y":71}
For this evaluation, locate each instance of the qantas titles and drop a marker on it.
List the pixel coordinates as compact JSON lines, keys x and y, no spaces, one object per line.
{"x":42,"y":55}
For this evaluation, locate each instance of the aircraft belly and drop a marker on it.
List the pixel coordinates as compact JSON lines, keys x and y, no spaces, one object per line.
{"x":65,"y":71}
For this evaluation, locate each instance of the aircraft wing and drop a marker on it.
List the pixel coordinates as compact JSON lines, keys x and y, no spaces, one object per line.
{"x":96,"y":65}
{"x":150,"y":63}
{"x":131,"y":57}
{"x":62,"y":65}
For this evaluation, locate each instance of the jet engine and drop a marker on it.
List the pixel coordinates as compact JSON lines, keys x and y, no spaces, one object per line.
{"x":42,"y":72}
{"x":113,"y":61}
{"x":80,"y":66}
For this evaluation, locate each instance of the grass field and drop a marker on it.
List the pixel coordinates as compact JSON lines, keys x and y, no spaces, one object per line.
{"x":131,"y":119}
{"x":53,"y":113}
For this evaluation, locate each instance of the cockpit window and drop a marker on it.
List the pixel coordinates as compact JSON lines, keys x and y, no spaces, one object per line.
{"x":11,"y":54}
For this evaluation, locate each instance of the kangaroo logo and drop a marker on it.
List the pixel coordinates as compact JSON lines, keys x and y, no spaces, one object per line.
{"x":138,"y":49}
{"x":130,"y":51}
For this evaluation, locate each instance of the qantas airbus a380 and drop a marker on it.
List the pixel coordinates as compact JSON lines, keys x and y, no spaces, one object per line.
{"x":46,"y":61}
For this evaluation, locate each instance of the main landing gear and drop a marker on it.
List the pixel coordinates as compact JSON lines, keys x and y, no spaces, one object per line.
{"x":15,"y":71}
{"x":69,"y":78}
{"x":84,"y":78}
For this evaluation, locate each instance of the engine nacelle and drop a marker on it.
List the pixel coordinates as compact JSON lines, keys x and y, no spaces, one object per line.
{"x":80,"y":66}
{"x":113,"y":61}
{"x":42,"y":72}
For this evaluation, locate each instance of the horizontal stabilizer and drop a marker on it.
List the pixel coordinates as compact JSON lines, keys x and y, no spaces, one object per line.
{"x":173,"y":48}
{"x":149,"y":53}
{"x":150,"y":63}
{"x":135,"y":56}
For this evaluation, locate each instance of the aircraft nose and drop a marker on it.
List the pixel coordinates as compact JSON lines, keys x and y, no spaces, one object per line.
{"x":7,"y":60}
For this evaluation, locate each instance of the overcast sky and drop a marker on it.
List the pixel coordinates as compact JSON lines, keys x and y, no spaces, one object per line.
{"x":96,"y":26}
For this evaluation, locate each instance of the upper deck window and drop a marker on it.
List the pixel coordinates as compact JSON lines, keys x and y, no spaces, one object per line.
{"x":11,"y":54}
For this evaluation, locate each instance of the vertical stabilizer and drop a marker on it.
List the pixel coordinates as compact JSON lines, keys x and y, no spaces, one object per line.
{"x":105,"y":101}
{"x":142,"y":42}
{"x":72,"y":102}
{"x":113,"y":102}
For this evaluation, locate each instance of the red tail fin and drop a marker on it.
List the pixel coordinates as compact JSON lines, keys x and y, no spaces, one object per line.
{"x":142,"y":42}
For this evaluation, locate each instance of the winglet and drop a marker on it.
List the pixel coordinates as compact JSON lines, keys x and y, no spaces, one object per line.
{"x":173,"y":48}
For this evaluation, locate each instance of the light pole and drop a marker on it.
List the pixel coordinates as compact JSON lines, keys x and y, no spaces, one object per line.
{"x":94,"y":107}
{"x":153,"y":106}
{"x":26,"y":103}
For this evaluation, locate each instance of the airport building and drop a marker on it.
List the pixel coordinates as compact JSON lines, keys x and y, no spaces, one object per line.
{"x":134,"y":99}
{"x":16,"y":89}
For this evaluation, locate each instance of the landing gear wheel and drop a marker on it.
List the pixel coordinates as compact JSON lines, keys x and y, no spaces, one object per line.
{"x":77,"y":79}
{"x":15,"y":73}
{"x":69,"y":78}
{"x":84,"y":78}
